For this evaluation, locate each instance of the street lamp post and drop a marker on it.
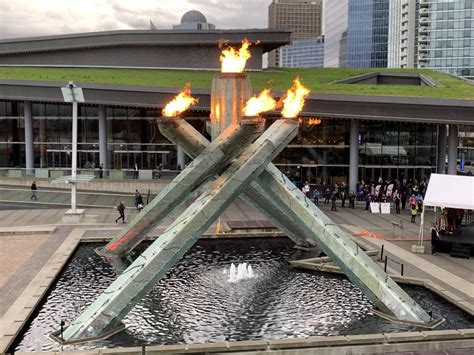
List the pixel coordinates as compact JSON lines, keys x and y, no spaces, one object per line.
{"x":72,"y":93}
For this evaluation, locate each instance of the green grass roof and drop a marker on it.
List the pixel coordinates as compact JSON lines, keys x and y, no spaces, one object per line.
{"x":318,"y":80}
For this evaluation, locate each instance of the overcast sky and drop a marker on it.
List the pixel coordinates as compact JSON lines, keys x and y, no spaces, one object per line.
{"x":22,"y":18}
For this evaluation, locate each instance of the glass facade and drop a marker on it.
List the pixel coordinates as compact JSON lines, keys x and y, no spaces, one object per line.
{"x":303,"y":53}
{"x":436,"y":34}
{"x":367,"y":33}
{"x":319,"y":153}
{"x":133,"y":137}
{"x":356,"y":33}
{"x":394,"y":32}
{"x":335,"y":32}
{"x":450,"y":44}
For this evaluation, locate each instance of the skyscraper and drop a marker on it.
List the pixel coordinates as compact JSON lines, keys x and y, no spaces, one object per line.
{"x":303,"y":17}
{"x":436,"y":34}
{"x":356,"y":33}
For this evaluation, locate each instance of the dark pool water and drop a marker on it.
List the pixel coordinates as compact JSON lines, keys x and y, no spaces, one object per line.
{"x":194,"y":303}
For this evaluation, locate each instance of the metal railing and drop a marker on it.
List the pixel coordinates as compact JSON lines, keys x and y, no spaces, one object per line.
{"x":114,"y":174}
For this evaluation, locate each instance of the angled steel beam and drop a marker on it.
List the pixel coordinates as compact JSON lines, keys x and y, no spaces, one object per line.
{"x":139,"y":278}
{"x":193,"y":143}
{"x":233,"y":140}
{"x":301,"y":219}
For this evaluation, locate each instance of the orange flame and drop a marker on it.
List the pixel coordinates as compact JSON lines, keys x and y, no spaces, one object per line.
{"x":293,"y":101}
{"x":233,"y":61}
{"x":261,"y":103}
{"x":180,"y":103}
{"x":311,"y":121}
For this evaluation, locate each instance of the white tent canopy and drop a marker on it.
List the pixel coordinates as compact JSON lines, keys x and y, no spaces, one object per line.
{"x":450,"y":191}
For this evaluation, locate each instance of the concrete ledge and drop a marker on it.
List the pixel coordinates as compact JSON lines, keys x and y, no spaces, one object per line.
{"x":73,"y":217}
{"x":418,"y":249}
{"x":403,"y":337}
{"x":27,"y":230}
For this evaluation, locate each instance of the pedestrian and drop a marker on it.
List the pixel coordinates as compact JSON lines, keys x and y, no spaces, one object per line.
{"x":413,"y":213}
{"x":396,"y":200}
{"x":368,"y":200}
{"x":101,"y":171}
{"x":306,"y":188}
{"x":333,"y":199}
{"x":316,"y":195}
{"x":135,"y":171}
{"x":137,"y":199}
{"x":33,"y":191}
{"x":121,"y":211}
{"x":352,"y":198}
{"x":327,"y":196}
{"x":342,"y":194}
{"x":434,"y":239}
{"x":178,"y":167}
{"x":139,"y":202}
{"x":160,"y":169}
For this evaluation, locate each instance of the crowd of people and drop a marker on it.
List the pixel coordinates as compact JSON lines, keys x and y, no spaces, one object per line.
{"x":403,"y":194}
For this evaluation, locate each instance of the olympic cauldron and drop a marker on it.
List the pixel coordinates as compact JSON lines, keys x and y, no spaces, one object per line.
{"x":237,"y":162}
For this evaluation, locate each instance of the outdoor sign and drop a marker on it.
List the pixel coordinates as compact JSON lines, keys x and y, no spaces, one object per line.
{"x":375,"y":207}
{"x":385,"y":208}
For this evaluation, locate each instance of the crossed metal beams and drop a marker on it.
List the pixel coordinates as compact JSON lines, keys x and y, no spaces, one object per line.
{"x":104,"y":314}
{"x":291,"y":211}
{"x":246,"y":169}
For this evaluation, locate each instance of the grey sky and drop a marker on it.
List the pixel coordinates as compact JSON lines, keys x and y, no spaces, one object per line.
{"x":25,"y":18}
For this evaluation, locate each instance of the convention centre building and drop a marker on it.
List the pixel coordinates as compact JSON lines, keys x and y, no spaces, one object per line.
{"x":373,"y":123}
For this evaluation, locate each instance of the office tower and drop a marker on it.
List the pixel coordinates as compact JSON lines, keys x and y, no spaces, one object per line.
{"x":303,"y":17}
{"x":435,"y":34}
{"x":356,"y":33}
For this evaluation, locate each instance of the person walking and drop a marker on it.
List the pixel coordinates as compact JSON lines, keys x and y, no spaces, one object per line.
{"x":352,"y":198}
{"x":306,"y":188}
{"x":135,"y":171}
{"x":34,"y":188}
{"x":333,"y":199}
{"x":101,"y":171}
{"x":137,"y":199}
{"x":316,"y":196}
{"x":342,"y":193}
{"x":396,"y":200}
{"x":434,"y":239}
{"x":327,"y":196}
{"x":414,"y":211}
{"x":368,"y":200}
{"x":121,"y":211}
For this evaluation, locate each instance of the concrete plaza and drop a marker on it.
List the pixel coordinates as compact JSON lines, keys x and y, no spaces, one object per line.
{"x":32,"y":231}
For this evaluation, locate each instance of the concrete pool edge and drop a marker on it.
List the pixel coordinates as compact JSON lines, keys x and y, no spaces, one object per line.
{"x":20,"y":312}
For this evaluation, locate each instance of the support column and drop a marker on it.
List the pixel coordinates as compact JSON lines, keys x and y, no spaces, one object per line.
{"x":442,"y":149}
{"x":453,"y":143}
{"x":103,"y":150}
{"x":354,"y":156}
{"x":29,"y":152}
{"x":181,"y":158}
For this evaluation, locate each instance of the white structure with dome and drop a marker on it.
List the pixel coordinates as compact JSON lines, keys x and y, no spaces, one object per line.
{"x":194,"y":20}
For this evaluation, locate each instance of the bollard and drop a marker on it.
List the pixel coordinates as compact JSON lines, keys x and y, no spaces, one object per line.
{"x":385,"y":266}
{"x":401,"y":269}
{"x":381,"y":253}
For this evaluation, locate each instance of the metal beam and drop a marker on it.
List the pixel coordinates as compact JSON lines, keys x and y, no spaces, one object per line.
{"x":139,"y":278}
{"x":229,"y":144}
{"x":297,"y":215}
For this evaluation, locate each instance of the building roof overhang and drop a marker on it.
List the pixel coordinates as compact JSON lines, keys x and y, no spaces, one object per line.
{"x":360,"y":107}
{"x":267,"y":39}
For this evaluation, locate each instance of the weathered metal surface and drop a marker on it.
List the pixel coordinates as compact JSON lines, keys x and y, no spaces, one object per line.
{"x":296,"y":215}
{"x":229,"y":93}
{"x":217,"y":154}
{"x":139,"y":278}
{"x":192,"y":145}
{"x":358,"y":267}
